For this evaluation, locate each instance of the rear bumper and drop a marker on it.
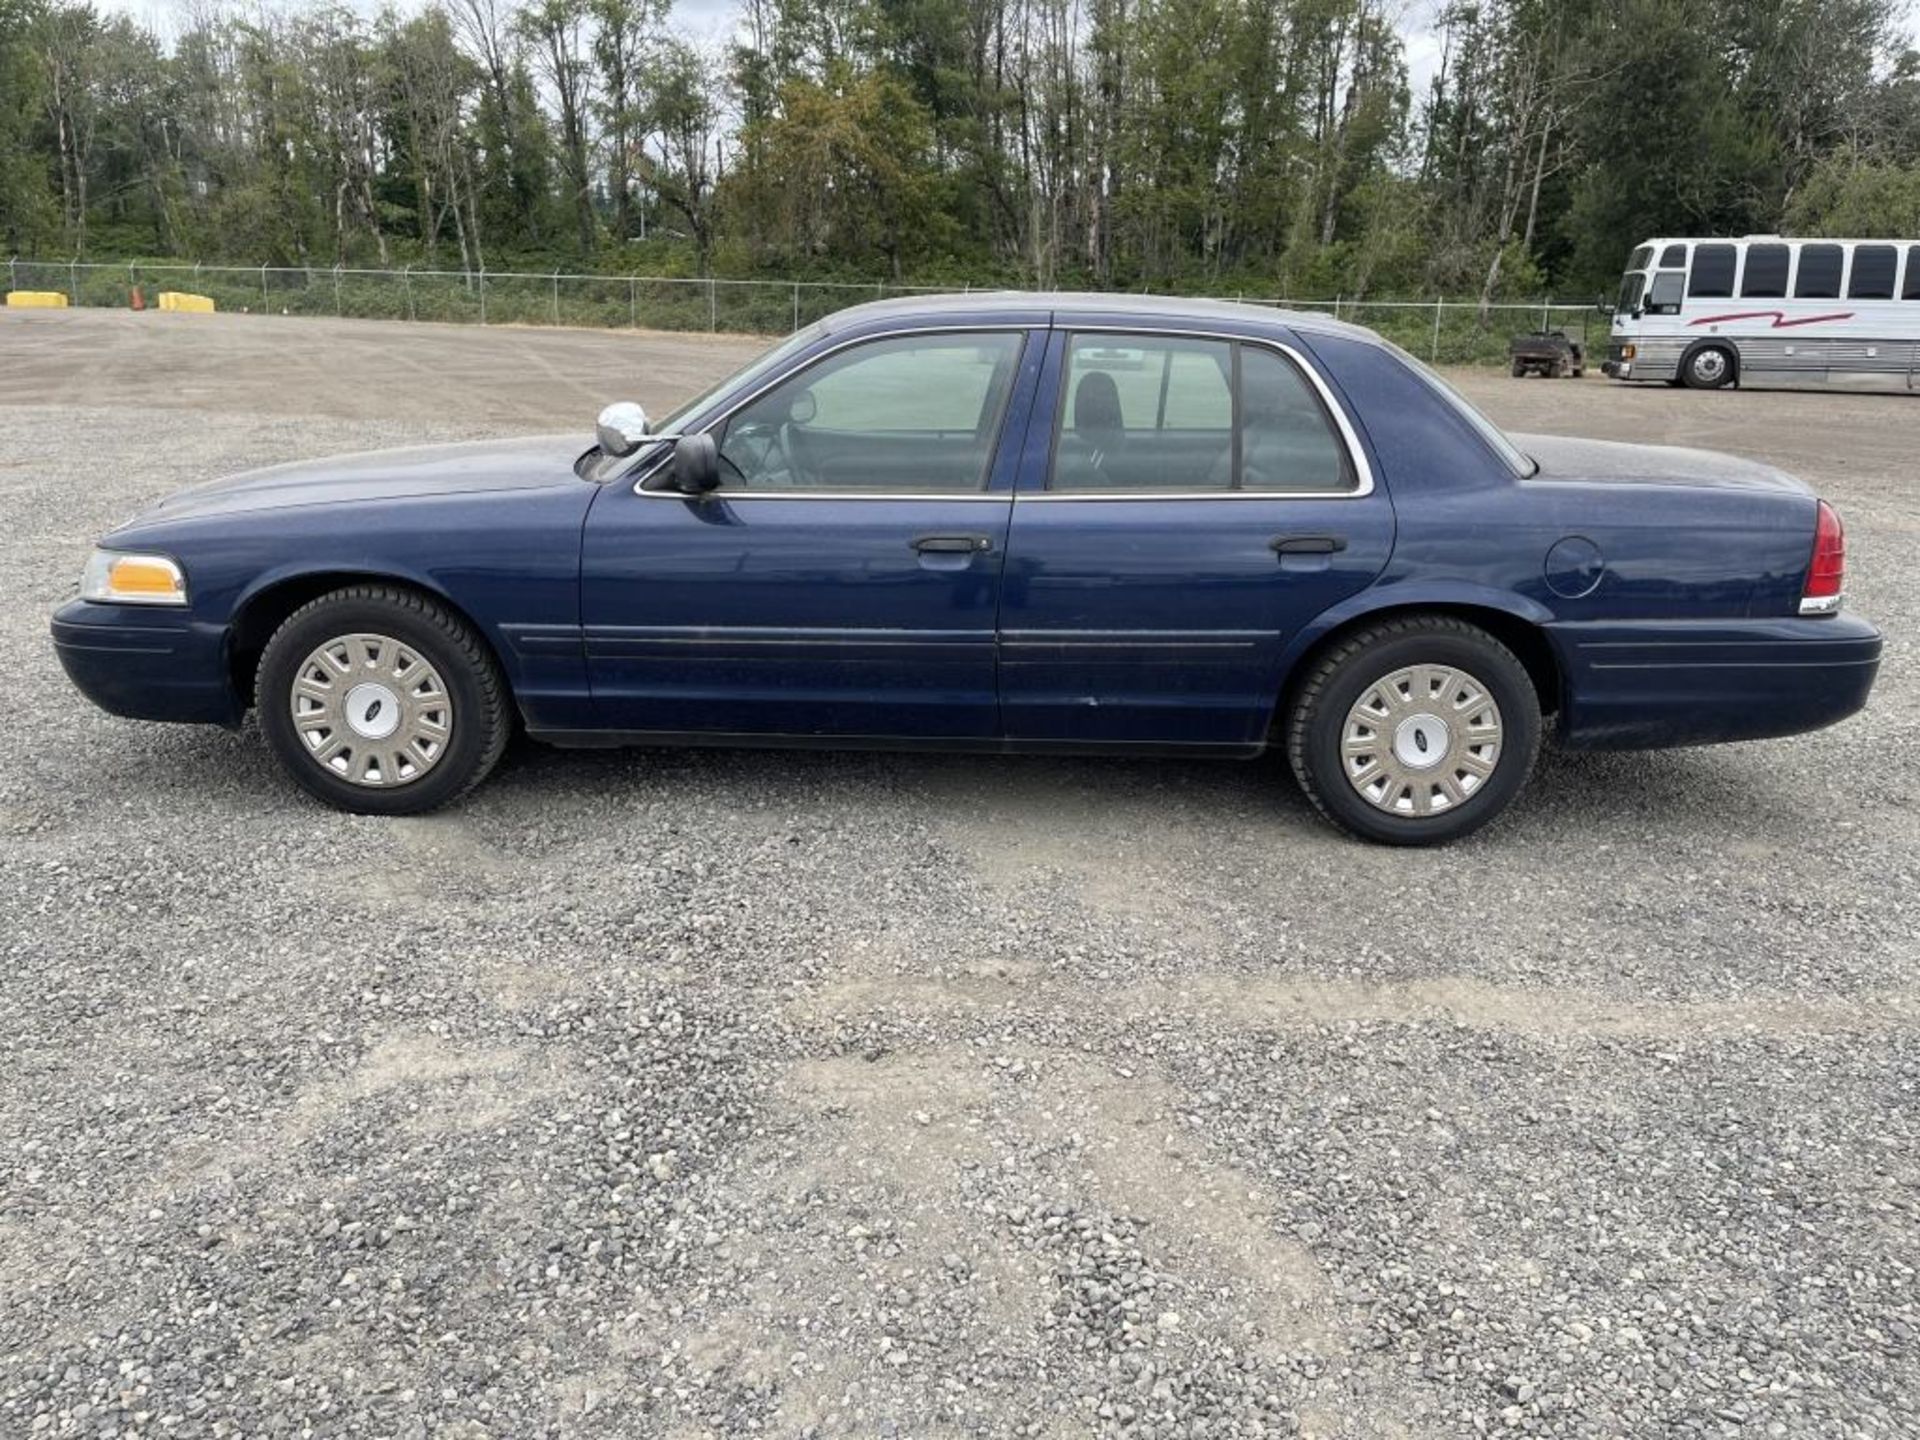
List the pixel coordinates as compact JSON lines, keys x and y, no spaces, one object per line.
{"x":1639,"y":685}
{"x":146,"y":664}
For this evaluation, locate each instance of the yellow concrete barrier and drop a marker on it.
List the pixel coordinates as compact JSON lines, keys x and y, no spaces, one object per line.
{"x":193,"y":304}
{"x":36,"y":300}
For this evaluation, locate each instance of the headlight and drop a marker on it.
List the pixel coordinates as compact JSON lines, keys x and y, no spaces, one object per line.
{"x":115,"y":578}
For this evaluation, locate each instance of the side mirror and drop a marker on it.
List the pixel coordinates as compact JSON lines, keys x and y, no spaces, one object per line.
{"x":621,"y":428}
{"x":695,"y":467}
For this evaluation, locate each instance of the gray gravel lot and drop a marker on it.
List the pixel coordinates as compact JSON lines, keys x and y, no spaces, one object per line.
{"x":690,"y":1094}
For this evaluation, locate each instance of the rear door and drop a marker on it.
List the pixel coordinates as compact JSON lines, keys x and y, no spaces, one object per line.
{"x":845,"y":577}
{"x":1195,"y":501}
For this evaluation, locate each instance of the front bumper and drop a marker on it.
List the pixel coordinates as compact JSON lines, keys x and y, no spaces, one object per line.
{"x":146,"y":663}
{"x":1642,"y":685}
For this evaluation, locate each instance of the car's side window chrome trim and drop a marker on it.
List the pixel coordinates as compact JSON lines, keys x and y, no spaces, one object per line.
{"x":1334,"y":411}
{"x":654,"y":464}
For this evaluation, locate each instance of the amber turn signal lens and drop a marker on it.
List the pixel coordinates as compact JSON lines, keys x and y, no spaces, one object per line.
{"x":115,"y":579}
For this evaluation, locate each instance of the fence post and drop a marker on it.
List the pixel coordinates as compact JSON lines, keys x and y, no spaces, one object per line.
{"x":633,"y":302}
{"x":713,"y":305}
{"x":406,"y":283}
{"x":266,"y":301}
{"x":1546,"y":304}
{"x":483,"y":292}
{"x":556,"y":297}
{"x":796,"y":304}
{"x":336,"y":289}
{"x":13,"y":272}
{"x":1434,"y":358}
{"x":73,"y":279}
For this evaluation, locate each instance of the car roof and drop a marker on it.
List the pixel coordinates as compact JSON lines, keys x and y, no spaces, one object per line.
{"x":1064,"y":304}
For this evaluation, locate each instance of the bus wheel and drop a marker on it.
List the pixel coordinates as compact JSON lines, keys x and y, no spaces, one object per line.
{"x":1708,"y":368}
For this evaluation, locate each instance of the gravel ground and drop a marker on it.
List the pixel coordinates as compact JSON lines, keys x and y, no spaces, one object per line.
{"x":690,"y":1094}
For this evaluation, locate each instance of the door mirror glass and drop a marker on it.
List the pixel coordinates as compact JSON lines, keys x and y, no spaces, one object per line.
{"x":621,"y":428}
{"x":695,"y":467}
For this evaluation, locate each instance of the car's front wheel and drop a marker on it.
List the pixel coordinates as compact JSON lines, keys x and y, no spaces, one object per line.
{"x":1414,"y":731}
{"x":380,"y":701}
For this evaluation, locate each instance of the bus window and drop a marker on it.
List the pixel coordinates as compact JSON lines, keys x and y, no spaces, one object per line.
{"x":1630,"y":288}
{"x":1766,"y":277}
{"x":1910,"y":288}
{"x":1819,"y":277}
{"x":1663,"y":297}
{"x":1674,"y":257}
{"x":1872,"y":277}
{"x":1712,"y":276}
{"x":1641,"y":258}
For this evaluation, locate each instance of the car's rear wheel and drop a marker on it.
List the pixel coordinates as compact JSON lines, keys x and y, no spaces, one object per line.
{"x":1708,"y":368}
{"x":1414,"y":731}
{"x":380,"y":701}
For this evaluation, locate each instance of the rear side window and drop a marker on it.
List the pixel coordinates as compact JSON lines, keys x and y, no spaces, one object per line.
{"x":1159,"y":413}
{"x":1910,"y":287}
{"x":1143,"y":412}
{"x":1674,"y":257}
{"x":1819,"y":277}
{"x":1766,"y":277}
{"x":1872,"y":277}
{"x":1712,"y":276}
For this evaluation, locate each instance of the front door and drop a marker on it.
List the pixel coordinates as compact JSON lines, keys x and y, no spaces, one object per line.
{"x":1203,"y":499}
{"x":845,"y":577}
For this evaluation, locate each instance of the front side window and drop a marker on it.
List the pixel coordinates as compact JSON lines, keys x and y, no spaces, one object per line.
{"x":1766,"y":273}
{"x":1872,"y":276}
{"x":1712,"y":274}
{"x":912,"y":414}
{"x":1819,"y":277}
{"x":1663,"y":296}
{"x":1142,"y":412}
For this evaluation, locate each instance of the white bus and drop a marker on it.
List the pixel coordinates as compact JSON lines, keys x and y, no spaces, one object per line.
{"x":1764,"y":309}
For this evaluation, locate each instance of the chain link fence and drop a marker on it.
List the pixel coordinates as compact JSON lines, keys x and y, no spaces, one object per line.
{"x":1444,"y":331}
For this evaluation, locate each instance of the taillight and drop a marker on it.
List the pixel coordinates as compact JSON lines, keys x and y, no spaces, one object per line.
{"x":1821,"y":594}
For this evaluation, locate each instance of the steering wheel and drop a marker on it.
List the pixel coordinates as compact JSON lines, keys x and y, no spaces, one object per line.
{"x":762,"y":450}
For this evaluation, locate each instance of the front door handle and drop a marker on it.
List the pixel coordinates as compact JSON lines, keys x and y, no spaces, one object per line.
{"x":951,"y":544}
{"x":1307,"y":544}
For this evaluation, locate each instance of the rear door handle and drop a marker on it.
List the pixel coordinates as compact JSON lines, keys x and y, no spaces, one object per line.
{"x":1307,"y":544}
{"x":951,"y":544}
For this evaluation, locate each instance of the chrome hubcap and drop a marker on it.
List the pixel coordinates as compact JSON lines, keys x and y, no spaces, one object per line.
{"x":1709,"y":364}
{"x":1421,"y":741}
{"x":371,"y":710}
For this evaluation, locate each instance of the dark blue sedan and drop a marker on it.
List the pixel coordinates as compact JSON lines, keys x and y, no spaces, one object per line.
{"x":1012,"y":522}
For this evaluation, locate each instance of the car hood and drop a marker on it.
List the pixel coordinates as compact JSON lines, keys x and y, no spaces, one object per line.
{"x":534,"y":462}
{"x":1610,"y":462}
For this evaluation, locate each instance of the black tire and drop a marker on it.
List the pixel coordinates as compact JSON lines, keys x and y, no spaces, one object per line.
{"x":1708,"y":368}
{"x":481,"y":713}
{"x":1339,"y":679}
{"x":1519,"y":369}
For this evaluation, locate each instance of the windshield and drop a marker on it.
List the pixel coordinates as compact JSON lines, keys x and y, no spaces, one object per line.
{"x":1630,"y":288}
{"x":608,"y":467}
{"x":1517,"y":459}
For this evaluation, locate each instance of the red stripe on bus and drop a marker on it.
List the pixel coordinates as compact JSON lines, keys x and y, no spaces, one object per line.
{"x":1780,"y":321}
